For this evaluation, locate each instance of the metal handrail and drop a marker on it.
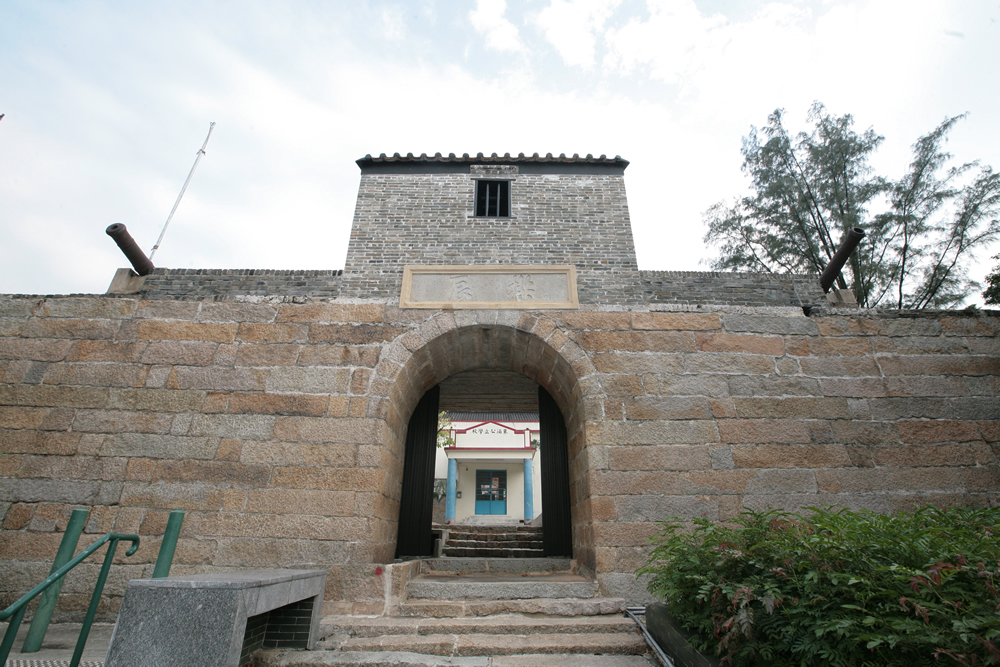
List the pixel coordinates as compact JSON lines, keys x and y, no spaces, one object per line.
{"x":633,"y":612}
{"x":17,"y":609}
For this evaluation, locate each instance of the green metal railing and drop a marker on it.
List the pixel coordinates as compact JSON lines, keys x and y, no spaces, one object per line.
{"x":47,"y":602}
{"x":16,"y":611}
{"x":49,"y":589}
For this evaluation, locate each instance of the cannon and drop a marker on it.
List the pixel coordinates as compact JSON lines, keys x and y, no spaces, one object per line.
{"x":832,"y":270}
{"x":142,"y":265}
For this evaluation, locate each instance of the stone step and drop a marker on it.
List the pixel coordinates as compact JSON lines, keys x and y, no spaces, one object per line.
{"x":506,"y":565}
{"x":502,"y":526}
{"x":494,"y":539}
{"x":495,"y":534}
{"x":486,"y":552}
{"x":478,"y":608}
{"x":490,"y":586}
{"x":495,"y":531}
{"x":606,"y":643}
{"x":289,"y":658}
{"x":509,"y":624}
{"x":494,"y":544}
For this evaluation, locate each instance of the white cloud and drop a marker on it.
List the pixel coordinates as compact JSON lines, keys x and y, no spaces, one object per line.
{"x":392,"y":23}
{"x":570,"y":26}
{"x":488,"y":19}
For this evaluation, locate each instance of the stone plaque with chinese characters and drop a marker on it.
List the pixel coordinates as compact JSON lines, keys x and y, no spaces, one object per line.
{"x":495,"y":286}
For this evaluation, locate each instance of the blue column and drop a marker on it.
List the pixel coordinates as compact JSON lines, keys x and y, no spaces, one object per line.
{"x":449,"y":508}
{"x":529,"y":489}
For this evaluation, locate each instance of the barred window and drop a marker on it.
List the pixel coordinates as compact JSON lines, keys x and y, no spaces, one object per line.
{"x":492,"y":199}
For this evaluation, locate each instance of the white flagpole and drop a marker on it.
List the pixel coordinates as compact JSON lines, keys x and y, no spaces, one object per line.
{"x":201,"y":151}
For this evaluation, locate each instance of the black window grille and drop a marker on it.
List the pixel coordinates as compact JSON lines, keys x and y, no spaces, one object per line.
{"x":493,"y":199}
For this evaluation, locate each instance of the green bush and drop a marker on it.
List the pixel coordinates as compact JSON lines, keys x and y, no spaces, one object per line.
{"x":836,"y":587}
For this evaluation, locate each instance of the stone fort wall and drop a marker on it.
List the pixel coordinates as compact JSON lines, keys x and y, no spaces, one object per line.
{"x":278,"y":425}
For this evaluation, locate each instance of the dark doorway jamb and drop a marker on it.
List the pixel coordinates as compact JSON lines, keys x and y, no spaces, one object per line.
{"x":557,"y":526}
{"x":416,"y":508}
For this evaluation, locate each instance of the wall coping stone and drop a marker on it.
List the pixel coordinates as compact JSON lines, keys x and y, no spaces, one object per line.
{"x":202,"y":619}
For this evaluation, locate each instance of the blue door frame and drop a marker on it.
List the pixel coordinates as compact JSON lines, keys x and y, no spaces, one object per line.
{"x":491,"y":492}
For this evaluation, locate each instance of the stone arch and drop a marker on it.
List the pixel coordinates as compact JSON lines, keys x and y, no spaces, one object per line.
{"x":533,"y":345}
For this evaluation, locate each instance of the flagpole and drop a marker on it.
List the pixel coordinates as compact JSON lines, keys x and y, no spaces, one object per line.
{"x":201,"y":151}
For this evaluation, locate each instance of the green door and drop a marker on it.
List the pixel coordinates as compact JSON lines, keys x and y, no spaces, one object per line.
{"x":491,"y":492}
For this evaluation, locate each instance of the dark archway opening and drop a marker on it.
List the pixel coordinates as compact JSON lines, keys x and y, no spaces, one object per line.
{"x":415,"y":536}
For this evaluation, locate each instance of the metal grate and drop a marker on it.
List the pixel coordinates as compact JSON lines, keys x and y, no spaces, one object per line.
{"x":493,"y":199}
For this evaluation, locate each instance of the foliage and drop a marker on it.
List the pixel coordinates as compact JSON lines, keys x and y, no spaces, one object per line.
{"x":836,"y":587}
{"x":440,"y":489}
{"x":992,"y":293}
{"x":808,"y":190}
{"x":445,"y":429}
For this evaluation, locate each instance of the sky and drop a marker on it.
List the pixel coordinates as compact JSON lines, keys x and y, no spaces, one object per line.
{"x":106,"y":104}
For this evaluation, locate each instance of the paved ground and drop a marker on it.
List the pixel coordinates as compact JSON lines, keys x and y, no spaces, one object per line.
{"x":57,"y":648}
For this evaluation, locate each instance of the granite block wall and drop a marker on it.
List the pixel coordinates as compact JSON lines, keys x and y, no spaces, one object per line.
{"x":279,"y":427}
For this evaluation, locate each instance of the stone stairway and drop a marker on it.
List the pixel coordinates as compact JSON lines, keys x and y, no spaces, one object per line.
{"x":484,"y":541}
{"x":483,"y":612}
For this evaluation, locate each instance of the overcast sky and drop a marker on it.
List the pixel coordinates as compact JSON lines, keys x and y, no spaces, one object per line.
{"x":106,"y":104}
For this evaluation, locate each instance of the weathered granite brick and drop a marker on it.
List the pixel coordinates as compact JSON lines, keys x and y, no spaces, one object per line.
{"x":279,"y":404}
{"x":653,"y":457}
{"x":183,"y":354}
{"x":159,"y":446}
{"x":218,"y":379}
{"x":34,"y":349}
{"x":309,"y":380}
{"x":89,"y":307}
{"x":790,"y":456}
{"x":120,"y":421}
{"x":165,"y":330}
{"x":763,"y":431}
{"x":745,"y":344}
{"x":937,"y":430}
{"x":677,"y":321}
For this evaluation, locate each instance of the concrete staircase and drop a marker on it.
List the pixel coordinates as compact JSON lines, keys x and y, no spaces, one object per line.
{"x":483,"y":612}
{"x":483,"y":541}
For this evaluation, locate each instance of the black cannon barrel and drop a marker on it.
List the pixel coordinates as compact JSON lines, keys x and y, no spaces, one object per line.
{"x":832,"y":270}
{"x":137,"y":257}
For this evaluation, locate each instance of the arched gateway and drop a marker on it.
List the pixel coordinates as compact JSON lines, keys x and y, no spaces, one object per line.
{"x":498,"y":348}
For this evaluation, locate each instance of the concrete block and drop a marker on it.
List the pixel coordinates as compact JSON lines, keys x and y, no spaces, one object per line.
{"x":201,"y":619}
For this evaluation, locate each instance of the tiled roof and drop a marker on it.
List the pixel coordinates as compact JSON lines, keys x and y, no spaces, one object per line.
{"x":506,"y":158}
{"x":492,"y":416}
